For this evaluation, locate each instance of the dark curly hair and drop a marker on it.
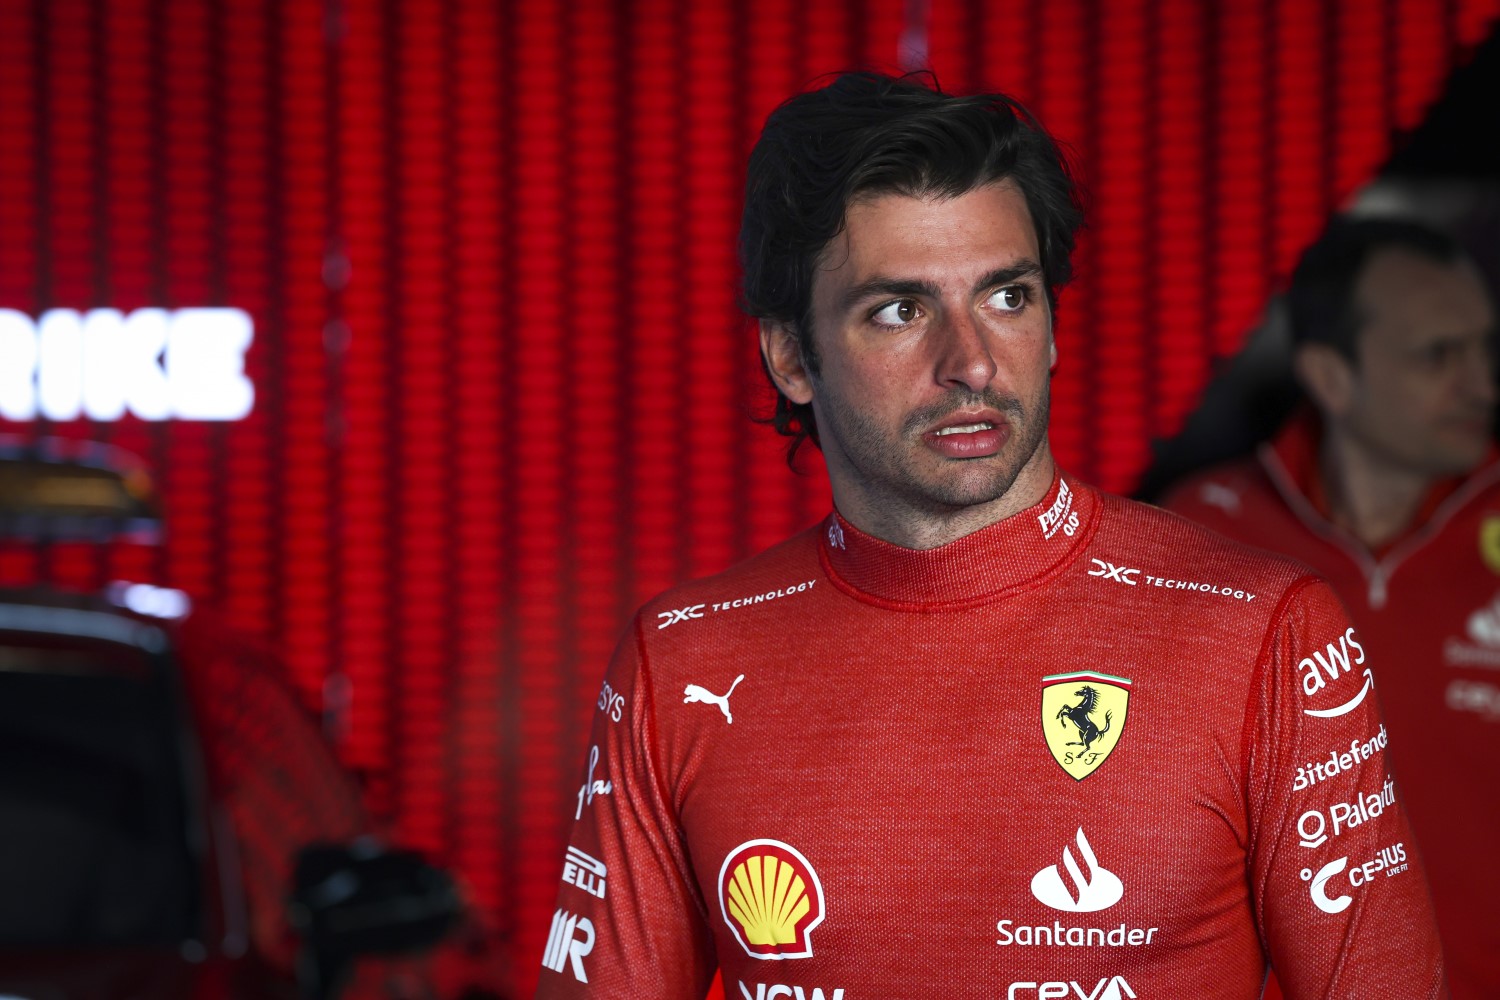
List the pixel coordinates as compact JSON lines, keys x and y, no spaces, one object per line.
{"x":869,"y":133}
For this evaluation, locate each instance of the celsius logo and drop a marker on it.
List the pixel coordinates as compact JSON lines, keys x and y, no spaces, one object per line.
{"x":1113,"y":988}
{"x":680,"y":615}
{"x":1334,"y":661}
{"x":1098,"y":890}
{"x":1320,"y":881}
{"x":771,"y":899}
{"x":1110,"y":571}
{"x":1391,"y":860}
{"x":563,"y":943}
{"x":1060,"y":514}
{"x":693,"y":693}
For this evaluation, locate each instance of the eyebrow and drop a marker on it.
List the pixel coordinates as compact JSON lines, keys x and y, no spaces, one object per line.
{"x":880,"y":285}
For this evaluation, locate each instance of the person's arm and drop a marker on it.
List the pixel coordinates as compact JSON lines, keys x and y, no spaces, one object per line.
{"x":629,"y":921}
{"x":1341,"y":898}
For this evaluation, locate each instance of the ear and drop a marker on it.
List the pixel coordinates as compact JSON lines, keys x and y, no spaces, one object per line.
{"x":1328,"y":377}
{"x":778,"y":345}
{"x":1052,"y":353}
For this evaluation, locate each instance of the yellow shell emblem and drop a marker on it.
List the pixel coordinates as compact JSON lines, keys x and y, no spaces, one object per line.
{"x":771,"y":899}
{"x":1489,"y":542}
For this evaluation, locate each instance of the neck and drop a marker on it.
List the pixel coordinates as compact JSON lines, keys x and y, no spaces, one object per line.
{"x":924,"y":526}
{"x":1373,"y":500}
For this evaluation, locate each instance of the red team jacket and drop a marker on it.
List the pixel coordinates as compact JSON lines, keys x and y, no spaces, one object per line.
{"x":1073,"y":754}
{"x":1428,"y":611}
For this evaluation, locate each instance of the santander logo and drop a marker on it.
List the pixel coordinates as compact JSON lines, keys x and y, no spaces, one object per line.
{"x":1088,"y":888}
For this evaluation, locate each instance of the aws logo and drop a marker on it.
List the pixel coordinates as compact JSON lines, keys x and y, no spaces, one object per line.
{"x":1334,"y":660}
{"x":771,"y":899}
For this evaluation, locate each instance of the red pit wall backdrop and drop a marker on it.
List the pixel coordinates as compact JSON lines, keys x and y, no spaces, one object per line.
{"x":502,"y":387}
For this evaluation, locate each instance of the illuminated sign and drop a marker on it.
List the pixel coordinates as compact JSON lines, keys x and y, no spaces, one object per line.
{"x":156,"y":364}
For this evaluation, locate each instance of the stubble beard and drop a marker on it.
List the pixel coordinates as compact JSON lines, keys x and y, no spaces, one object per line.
{"x":881,"y":463}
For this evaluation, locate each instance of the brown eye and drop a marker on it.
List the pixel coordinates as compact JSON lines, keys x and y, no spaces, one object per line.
{"x":1009,"y":299}
{"x":898,"y":313}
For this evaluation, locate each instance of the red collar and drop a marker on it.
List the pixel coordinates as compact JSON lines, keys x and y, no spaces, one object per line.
{"x":1003,"y":557}
{"x":1297,"y":446}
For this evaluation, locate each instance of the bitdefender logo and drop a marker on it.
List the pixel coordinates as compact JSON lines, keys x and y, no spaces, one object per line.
{"x":1085,"y":891}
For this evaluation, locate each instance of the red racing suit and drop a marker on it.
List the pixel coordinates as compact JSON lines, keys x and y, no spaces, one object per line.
{"x":1058,"y":757}
{"x":1428,"y":610}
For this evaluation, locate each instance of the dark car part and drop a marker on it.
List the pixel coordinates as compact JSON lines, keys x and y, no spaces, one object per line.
{"x":365,"y":899}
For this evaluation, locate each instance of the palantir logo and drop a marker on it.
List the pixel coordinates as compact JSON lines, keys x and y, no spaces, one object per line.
{"x":1099,"y":889}
{"x":564,"y":943}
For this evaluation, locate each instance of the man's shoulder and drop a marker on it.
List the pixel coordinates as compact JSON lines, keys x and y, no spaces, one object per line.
{"x":1223,"y":493}
{"x":1180,"y":547}
{"x":790,"y":568}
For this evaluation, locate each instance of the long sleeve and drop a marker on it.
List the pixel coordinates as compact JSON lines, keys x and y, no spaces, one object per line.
{"x":1341,"y":898}
{"x":630,"y":921}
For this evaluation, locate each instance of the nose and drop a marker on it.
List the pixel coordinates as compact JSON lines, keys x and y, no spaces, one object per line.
{"x":965,"y":357}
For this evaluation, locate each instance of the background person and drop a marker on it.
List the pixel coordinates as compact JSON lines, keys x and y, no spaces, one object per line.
{"x":1386,"y":484}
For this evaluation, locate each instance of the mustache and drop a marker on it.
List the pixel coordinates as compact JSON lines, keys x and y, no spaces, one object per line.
{"x":959,"y":399}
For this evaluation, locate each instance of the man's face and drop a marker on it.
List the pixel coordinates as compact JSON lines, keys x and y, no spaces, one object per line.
{"x":1422,"y":393}
{"x":934,"y":336}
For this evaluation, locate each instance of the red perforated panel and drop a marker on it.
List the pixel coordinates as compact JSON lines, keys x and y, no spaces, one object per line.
{"x":502,"y":388}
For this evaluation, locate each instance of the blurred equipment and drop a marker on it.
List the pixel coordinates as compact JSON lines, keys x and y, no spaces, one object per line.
{"x":163,"y":794}
{"x":365,"y":899}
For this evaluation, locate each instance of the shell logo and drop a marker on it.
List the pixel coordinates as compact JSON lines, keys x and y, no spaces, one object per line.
{"x":771,"y":899}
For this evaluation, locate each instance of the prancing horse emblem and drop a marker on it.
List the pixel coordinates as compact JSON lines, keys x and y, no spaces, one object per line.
{"x":1079,"y":714}
{"x":1083,"y":718}
{"x":695,"y":693}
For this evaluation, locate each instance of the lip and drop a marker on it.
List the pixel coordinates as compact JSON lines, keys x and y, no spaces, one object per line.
{"x":969,"y":444}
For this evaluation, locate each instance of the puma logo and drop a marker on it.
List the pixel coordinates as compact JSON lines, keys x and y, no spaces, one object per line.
{"x":695,"y":693}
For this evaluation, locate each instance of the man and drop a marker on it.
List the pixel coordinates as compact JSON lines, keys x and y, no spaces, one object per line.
{"x":984,"y":732}
{"x":1387,"y":487}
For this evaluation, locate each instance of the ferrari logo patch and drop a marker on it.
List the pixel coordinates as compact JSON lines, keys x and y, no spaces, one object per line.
{"x":1083,"y":715}
{"x":1489,"y":542}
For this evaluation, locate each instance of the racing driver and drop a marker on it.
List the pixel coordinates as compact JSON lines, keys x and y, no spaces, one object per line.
{"x":984,"y":731}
